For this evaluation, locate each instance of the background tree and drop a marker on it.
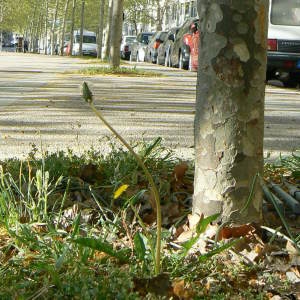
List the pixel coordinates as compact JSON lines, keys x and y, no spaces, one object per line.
{"x":101,"y":28}
{"x":141,"y":12}
{"x":53,"y":37}
{"x":63,"y":30}
{"x":229,"y":121}
{"x":117,"y":24}
{"x":72,"y":26}
{"x":1,"y":20}
{"x":46,"y":27}
{"x":81,"y":26}
{"x":108,"y":29}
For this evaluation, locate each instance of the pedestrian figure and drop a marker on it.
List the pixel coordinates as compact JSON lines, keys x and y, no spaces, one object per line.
{"x":25,"y":46}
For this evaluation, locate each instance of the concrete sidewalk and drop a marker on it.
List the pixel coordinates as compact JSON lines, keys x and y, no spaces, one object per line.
{"x":40,"y":104}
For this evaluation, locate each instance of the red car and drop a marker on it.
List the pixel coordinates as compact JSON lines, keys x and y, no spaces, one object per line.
{"x":191,"y":39}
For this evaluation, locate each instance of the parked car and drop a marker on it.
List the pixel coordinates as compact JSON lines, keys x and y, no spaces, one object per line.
{"x":89,"y":45}
{"x":165,"y":49}
{"x":151,"y":51}
{"x":180,"y":54}
{"x":138,"y":47}
{"x":125,"y":50}
{"x":284,"y":42}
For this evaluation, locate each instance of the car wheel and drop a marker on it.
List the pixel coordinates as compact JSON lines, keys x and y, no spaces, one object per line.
{"x":291,"y":83}
{"x":190,"y":63}
{"x":180,"y":63}
{"x":153,"y":60}
{"x":166,"y":60}
{"x":157,"y":61}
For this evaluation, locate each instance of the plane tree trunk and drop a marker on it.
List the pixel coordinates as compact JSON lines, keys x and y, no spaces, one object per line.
{"x":229,"y":120}
{"x":100,"y":28}
{"x":72,"y":27}
{"x":108,"y":30}
{"x":53,"y":37}
{"x":116,"y":31}
{"x":63,"y":30}
{"x":81,"y":27}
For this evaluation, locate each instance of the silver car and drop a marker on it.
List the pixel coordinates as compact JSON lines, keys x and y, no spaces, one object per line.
{"x":125,"y":49}
{"x":139,"y":46}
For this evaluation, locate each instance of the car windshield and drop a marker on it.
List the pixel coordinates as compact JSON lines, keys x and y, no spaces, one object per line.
{"x":163,"y":36}
{"x":87,"y":39}
{"x":285,"y":12}
{"x":145,"y":38}
{"x":130,"y":39}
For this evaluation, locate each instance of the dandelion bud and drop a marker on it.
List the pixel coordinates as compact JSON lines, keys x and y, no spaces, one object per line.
{"x":86,"y":93}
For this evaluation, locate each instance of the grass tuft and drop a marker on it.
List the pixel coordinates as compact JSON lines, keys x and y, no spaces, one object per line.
{"x":121,"y":71}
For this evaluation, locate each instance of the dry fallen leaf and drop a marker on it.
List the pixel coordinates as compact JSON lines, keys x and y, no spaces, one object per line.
{"x":236,"y":231}
{"x":181,"y":290}
{"x":179,"y":171}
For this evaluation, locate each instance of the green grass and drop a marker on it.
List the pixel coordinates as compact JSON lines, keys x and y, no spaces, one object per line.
{"x":51,"y":206}
{"x":121,"y":71}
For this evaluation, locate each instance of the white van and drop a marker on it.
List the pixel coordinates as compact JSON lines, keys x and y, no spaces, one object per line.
{"x":284,"y":41}
{"x":89,"y":45}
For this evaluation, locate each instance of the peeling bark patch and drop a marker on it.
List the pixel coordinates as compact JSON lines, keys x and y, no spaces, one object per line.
{"x":260,"y":26}
{"x":253,"y":122}
{"x":215,"y":15}
{"x":237,"y":18}
{"x":242,"y":28}
{"x":228,"y":70}
{"x":241,"y":50}
{"x":240,"y":157}
{"x":217,"y":42}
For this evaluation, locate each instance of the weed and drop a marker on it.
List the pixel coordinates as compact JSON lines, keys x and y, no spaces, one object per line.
{"x":121,"y":71}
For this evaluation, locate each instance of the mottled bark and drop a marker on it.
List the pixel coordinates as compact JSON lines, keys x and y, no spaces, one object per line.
{"x":229,"y":121}
{"x":116,"y":31}
{"x":1,"y":20}
{"x":101,"y":28}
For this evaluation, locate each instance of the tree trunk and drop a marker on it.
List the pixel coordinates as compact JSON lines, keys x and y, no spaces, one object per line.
{"x":53,"y":40}
{"x":1,"y":20}
{"x":108,"y":30}
{"x":229,"y":120}
{"x":135,"y":27}
{"x":36,"y":34}
{"x":41,"y":36}
{"x":31,"y":29}
{"x":117,"y":24}
{"x":158,"y":16}
{"x":101,"y":27}
{"x":62,"y":41}
{"x":81,"y":27}
{"x":72,"y":26}
{"x":46,"y":27}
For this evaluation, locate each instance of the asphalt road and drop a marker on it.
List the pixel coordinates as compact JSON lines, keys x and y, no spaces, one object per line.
{"x":40,"y":105}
